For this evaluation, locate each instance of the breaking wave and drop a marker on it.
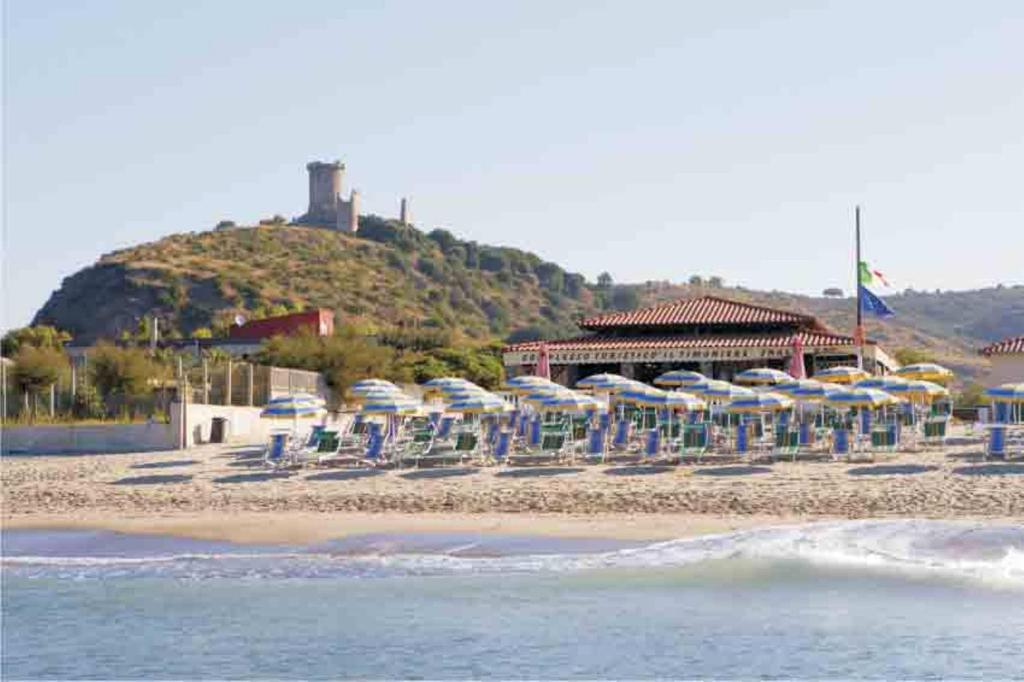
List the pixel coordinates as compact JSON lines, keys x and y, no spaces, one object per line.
{"x":992,"y":554}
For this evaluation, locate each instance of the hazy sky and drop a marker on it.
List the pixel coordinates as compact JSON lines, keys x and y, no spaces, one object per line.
{"x":653,"y":140}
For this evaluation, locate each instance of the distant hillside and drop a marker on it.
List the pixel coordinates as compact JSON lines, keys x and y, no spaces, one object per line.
{"x":388,"y":276}
{"x":395,"y":277}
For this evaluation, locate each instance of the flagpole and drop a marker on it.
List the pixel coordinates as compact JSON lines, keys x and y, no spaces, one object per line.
{"x":858,"y":335}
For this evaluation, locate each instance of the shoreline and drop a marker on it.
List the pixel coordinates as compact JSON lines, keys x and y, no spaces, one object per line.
{"x":302,"y":528}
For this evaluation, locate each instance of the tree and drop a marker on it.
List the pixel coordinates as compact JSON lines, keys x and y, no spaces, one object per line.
{"x":39,"y":336}
{"x":696,"y":281}
{"x":202,"y":333}
{"x":36,"y":369}
{"x":122,"y":374}
{"x":832,"y":292}
{"x":716,"y":282}
{"x":604,"y":281}
{"x":625,"y":298}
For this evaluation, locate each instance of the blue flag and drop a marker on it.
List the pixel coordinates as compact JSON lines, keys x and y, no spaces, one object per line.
{"x":871,"y":303}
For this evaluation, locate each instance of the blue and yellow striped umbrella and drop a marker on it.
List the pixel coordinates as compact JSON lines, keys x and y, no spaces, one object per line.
{"x":465,"y":394}
{"x":672,"y":400}
{"x":640,"y":395}
{"x":526,"y":384}
{"x":391,"y":404}
{"x":841,"y":375}
{"x":811,"y":390}
{"x":290,"y":407}
{"x":370,"y":395}
{"x":926,"y":371}
{"x":761,"y":376}
{"x":789,"y":387}
{"x":542,"y":393}
{"x":760,"y":402}
{"x":914,"y":391}
{"x":571,"y":402}
{"x":602,"y":382}
{"x":679,"y":377}
{"x":882,"y":383}
{"x":308,"y":397}
{"x":478,"y":404}
{"x":861,"y":397}
{"x":1006,"y":393}
{"x":720,"y":391}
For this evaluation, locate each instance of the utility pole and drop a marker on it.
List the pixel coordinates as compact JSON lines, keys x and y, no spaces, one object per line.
{"x":858,"y":335}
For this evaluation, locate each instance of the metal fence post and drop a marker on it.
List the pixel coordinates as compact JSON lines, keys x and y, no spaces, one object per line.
{"x":227,"y":397}
{"x":252,"y":382}
{"x":206,"y":382}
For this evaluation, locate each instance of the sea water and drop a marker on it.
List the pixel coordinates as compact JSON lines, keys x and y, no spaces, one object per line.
{"x":897,"y":599}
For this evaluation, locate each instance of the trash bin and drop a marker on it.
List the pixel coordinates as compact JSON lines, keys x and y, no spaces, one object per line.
{"x":219,"y":430}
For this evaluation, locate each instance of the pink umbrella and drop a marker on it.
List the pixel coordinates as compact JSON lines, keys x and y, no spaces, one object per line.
{"x":543,"y":368}
{"x":796,"y":364}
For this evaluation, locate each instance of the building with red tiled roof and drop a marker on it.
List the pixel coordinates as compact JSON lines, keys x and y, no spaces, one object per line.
{"x":1007,"y":357}
{"x":715,"y":336}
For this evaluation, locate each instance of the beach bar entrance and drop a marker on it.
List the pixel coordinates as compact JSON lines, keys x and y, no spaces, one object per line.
{"x":715,"y":336}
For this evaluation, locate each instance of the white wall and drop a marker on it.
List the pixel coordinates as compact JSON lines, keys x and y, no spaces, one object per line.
{"x":95,"y":438}
{"x":1007,"y":369}
{"x":245,"y":426}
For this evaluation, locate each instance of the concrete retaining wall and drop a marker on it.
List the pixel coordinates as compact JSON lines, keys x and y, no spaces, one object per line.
{"x":95,"y":438}
{"x":244,"y":427}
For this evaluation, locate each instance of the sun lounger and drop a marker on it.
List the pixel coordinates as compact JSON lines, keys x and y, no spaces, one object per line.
{"x":552,"y":449}
{"x":935,"y":430}
{"x":418,"y":447}
{"x":787,"y":443}
{"x":276,"y":453}
{"x":594,"y":445}
{"x":502,"y":447}
{"x":695,"y":440}
{"x":996,"y":448}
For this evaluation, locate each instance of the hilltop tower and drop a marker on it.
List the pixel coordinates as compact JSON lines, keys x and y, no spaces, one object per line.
{"x":404,"y":216}
{"x":348,"y":213}
{"x":325,"y":186}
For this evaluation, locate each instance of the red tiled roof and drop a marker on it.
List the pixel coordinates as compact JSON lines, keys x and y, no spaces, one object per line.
{"x":1014,"y":344}
{"x":702,"y":310}
{"x":604,"y":342}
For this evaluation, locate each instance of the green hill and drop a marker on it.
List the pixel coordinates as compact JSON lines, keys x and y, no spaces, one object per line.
{"x":392,"y":278}
{"x":388,"y":276}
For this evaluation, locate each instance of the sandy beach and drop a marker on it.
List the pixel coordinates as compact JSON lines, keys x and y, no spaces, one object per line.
{"x":218,"y":492}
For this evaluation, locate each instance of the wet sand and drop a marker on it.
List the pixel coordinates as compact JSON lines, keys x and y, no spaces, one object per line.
{"x":224,"y":493}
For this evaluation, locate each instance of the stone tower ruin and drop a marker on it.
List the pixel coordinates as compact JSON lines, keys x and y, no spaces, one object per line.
{"x":326,"y":207}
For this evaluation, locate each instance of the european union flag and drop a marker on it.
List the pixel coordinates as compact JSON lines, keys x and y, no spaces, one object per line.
{"x":871,"y":303}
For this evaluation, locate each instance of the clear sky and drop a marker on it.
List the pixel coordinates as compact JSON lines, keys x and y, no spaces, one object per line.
{"x":654,"y":140}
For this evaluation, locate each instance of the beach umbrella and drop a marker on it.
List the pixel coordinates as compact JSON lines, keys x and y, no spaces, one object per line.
{"x":762,"y":376}
{"x":861,"y":397}
{"x":602,"y":382}
{"x":924,"y":391}
{"x":788,"y":387}
{"x":810,"y":390}
{"x":442,"y":382}
{"x":375,"y":394}
{"x":882,"y":383}
{"x":526,"y":384}
{"x":291,"y":407}
{"x":640,"y":395}
{"x":679,"y":377}
{"x":391,"y":403}
{"x":542,"y":393}
{"x":1006,"y":393}
{"x":464,"y":393}
{"x":760,"y":402}
{"x":570,"y":402}
{"x":670,"y":400}
{"x":478,"y":404}
{"x":841,"y":375}
{"x":371,"y":384}
{"x":720,"y":391}
{"x":928,"y":371}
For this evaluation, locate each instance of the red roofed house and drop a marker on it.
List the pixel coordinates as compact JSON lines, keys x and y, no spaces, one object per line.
{"x":1007,"y":358}
{"x":319,"y":322}
{"x":712,"y":335}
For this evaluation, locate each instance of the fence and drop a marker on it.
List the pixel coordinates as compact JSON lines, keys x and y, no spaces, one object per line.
{"x":224,"y":382}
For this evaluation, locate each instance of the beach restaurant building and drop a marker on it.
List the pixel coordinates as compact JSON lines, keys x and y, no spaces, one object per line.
{"x":712,"y":335}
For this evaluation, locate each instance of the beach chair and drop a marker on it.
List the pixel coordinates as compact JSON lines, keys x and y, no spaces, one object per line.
{"x":787,"y":443}
{"x":623,"y":433}
{"x":935,"y":430}
{"x":307,"y":451}
{"x":996,"y":443}
{"x":502,"y":447}
{"x":594,"y":446}
{"x":840,"y":443}
{"x":552,"y":449}
{"x":331,"y":450}
{"x":884,"y":438}
{"x":374,"y":453}
{"x":276,"y":453}
{"x":695,"y":440}
{"x":417,"y":448}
